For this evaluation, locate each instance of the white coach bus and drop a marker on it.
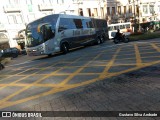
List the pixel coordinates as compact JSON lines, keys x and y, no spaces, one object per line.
{"x":62,"y":32}
{"x":123,"y":27}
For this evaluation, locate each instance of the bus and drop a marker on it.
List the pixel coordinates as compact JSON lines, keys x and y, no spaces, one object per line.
{"x":124,"y":27}
{"x":62,"y":32}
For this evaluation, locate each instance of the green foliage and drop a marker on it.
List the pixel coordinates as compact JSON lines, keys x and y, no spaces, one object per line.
{"x":145,"y":36}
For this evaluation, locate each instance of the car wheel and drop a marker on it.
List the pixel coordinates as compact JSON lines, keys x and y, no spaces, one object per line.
{"x":14,"y":55}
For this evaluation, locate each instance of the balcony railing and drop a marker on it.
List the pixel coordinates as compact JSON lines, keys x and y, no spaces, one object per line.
{"x":12,"y":8}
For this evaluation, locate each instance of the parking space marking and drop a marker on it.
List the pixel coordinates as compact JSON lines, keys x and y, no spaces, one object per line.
{"x":64,"y":85}
{"x":155,"y":47}
{"x":108,"y":65}
{"x":28,"y":86}
{"x":138,"y":56}
{"x":78,"y":71}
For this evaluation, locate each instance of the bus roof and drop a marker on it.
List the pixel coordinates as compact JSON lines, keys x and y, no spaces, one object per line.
{"x":63,"y":16}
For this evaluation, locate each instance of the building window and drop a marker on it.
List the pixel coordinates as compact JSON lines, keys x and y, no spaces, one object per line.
{"x":119,"y":9}
{"x":102,"y":12}
{"x":13,"y":1}
{"x":151,"y":9}
{"x":30,"y":8}
{"x":113,"y":10}
{"x":95,"y":12}
{"x":19,"y":19}
{"x":45,"y":1}
{"x":80,"y":11}
{"x":28,"y":2}
{"x":108,"y":11}
{"x":53,"y":1}
{"x":60,"y":1}
{"x":124,"y":9}
{"x":89,"y":12}
{"x":11,"y":19}
{"x":137,"y":9}
{"x":130,"y":9}
{"x":145,"y":9}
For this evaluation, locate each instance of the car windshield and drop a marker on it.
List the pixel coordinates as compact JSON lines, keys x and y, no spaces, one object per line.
{"x":33,"y":37}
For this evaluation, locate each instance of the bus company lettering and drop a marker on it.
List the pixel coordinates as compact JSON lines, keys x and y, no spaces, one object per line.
{"x":76,"y":32}
{"x":84,"y":32}
{"x":80,"y":32}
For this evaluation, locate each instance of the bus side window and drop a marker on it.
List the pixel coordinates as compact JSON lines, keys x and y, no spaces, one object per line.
{"x":66,"y":23}
{"x":87,"y":23}
{"x":78,"y":23}
{"x":62,"y":25}
{"x":128,"y":26}
{"x":84,"y":21}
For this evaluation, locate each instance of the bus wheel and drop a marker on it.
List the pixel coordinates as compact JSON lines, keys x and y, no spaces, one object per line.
{"x":65,"y":48}
{"x":50,"y":55}
{"x":102,"y":39}
{"x":98,"y":41}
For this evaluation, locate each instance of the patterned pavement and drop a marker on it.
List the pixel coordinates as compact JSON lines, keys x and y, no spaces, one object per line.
{"x":75,"y":77}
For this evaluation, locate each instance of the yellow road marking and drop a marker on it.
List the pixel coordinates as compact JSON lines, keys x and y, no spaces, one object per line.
{"x":25,"y":88}
{"x":64,"y":86}
{"x":108,"y":65}
{"x":138,"y":56}
{"x":53,"y":91}
{"x":78,"y":71}
{"x":155,"y":47}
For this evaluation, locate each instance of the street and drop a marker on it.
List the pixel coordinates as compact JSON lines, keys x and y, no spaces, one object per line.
{"x":105,"y":77}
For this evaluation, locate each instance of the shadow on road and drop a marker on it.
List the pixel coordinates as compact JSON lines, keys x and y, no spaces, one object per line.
{"x":59,"y":54}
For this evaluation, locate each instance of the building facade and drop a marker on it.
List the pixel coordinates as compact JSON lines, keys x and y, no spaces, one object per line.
{"x":127,"y":10}
{"x":15,"y":14}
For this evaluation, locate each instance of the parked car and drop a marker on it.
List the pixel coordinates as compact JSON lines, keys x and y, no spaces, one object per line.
{"x":23,"y":52}
{"x":10,"y":52}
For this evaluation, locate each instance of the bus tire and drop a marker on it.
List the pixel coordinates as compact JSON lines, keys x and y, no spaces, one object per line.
{"x":50,"y":55}
{"x":102,"y":39}
{"x":64,"y":48}
{"x":98,"y":40}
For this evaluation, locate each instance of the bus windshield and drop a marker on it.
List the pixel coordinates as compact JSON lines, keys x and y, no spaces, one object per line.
{"x":39,"y":31}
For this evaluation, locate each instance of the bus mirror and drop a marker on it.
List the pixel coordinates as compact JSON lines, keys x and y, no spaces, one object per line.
{"x":60,"y":29}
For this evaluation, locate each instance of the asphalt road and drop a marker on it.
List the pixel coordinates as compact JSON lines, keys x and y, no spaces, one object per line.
{"x":28,"y":81}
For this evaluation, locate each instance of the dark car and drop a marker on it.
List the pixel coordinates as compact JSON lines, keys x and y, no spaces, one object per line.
{"x":10,"y":52}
